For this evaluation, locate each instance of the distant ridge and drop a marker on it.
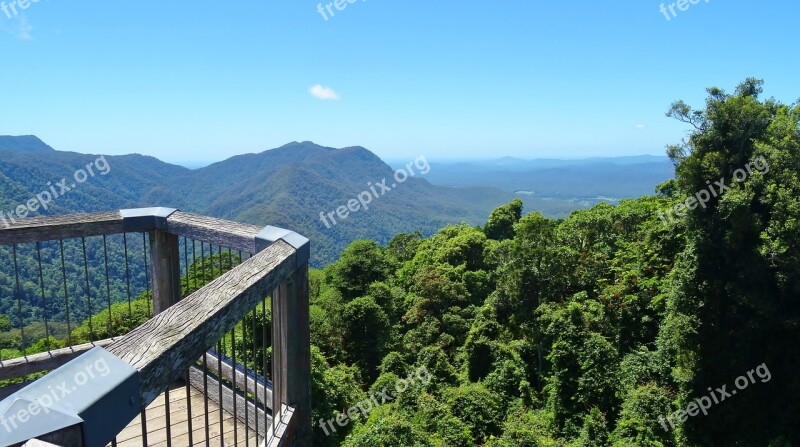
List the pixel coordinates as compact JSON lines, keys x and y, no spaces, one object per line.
{"x":291,"y":185}
{"x":23,"y":143}
{"x":286,"y":187}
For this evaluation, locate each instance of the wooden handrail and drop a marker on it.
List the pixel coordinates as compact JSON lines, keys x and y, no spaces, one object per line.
{"x":226,"y":233}
{"x":223,"y":232}
{"x":46,"y":361}
{"x":41,"y":229}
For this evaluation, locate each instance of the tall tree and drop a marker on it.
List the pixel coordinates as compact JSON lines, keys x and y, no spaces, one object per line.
{"x":740,"y":280}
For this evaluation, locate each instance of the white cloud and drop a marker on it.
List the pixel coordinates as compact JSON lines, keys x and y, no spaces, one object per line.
{"x":323,"y":93}
{"x":19,"y":27}
{"x":641,"y":126}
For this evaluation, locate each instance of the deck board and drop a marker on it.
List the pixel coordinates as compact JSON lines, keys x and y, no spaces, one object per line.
{"x":131,"y":436}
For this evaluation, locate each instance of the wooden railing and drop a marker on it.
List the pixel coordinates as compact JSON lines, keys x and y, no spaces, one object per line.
{"x":166,"y":348}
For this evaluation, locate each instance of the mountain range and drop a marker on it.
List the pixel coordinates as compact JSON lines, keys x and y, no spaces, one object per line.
{"x":287,"y":187}
{"x":291,"y":185}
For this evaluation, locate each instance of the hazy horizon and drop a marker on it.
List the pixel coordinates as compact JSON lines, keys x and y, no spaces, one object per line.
{"x":391,"y":161}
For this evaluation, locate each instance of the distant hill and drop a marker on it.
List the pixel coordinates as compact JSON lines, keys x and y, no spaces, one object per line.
{"x":557,"y":187}
{"x":288,"y":186}
{"x":27,"y":143}
{"x":133,"y":180}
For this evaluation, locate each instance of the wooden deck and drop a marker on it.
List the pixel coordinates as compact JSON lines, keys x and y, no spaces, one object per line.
{"x":131,"y":436}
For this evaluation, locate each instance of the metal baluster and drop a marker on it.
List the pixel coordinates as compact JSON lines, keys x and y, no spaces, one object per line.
{"x":44,"y":296}
{"x":205,"y":395}
{"x":244,"y":364}
{"x":233,"y":387}
{"x":186,"y":263}
{"x":19,"y":303}
{"x":221,"y":400}
{"x":211,"y":262}
{"x":235,"y":394}
{"x":66,"y":293}
{"x":127,"y":274}
{"x":108,"y":289}
{"x":264,"y":360}
{"x":144,"y":426}
{"x":220,"y":260}
{"x":148,"y":285}
{"x":255,"y":373}
{"x":194,"y":262}
{"x":189,"y":404}
{"x":88,"y":290}
{"x":277,"y":362}
{"x":167,"y":414}
{"x":202,"y":263}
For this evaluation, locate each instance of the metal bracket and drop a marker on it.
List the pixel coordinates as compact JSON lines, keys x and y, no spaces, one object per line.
{"x":270,"y":234}
{"x":97,"y":393}
{"x":145,"y":219}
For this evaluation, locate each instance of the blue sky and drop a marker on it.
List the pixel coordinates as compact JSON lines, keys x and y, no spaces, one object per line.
{"x":203,"y":80}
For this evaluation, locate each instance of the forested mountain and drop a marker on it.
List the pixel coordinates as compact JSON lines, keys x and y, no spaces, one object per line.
{"x":288,"y":186}
{"x":131,"y":181}
{"x":291,"y":185}
{"x":27,"y":143}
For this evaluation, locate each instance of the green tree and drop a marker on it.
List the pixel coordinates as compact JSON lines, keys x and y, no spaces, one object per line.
{"x":501,"y":222}
{"x":739,"y":278}
{"x":361,"y":264}
{"x":595,"y":430}
{"x":584,"y":363}
{"x":366,"y":335}
{"x":333,"y":391}
{"x":642,"y":421}
{"x":479,"y":408}
{"x":388,"y":428}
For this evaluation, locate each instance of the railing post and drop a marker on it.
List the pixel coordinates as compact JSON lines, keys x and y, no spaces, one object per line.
{"x":165,"y":265}
{"x":166,"y":270}
{"x":292,"y":353}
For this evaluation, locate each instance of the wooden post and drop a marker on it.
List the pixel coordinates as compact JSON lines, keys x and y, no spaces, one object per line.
{"x":291,"y":351}
{"x":166,"y":270}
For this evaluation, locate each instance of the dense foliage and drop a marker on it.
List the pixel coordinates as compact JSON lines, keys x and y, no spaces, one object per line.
{"x":587,"y":331}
